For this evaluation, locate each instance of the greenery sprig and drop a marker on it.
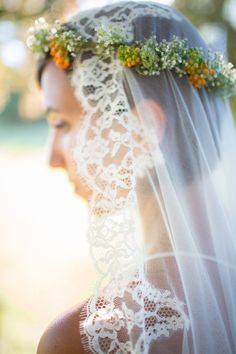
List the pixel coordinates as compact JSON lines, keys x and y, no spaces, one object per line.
{"x":148,"y":57}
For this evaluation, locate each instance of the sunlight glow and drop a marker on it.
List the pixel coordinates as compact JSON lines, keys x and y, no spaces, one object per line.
{"x":88,"y":4}
{"x":13,"y":53}
{"x":43,"y":228}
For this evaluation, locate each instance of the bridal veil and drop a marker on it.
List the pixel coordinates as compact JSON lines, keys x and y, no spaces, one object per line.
{"x":159,"y":157}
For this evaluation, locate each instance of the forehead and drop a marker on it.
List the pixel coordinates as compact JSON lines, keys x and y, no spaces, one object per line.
{"x":57,"y":90}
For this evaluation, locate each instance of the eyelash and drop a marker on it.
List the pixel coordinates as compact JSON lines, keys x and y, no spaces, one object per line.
{"x":61,"y":125}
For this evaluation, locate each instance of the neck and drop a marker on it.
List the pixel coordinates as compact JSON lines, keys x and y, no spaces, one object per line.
{"x":155,"y":234}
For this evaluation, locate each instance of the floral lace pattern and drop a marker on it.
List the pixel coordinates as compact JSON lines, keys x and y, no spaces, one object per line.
{"x":141,"y":312}
{"x":111,"y":152}
{"x":121,"y":13}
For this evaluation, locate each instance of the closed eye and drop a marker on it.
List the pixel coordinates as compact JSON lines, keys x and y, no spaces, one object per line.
{"x":60,"y":125}
{"x":55,"y":121}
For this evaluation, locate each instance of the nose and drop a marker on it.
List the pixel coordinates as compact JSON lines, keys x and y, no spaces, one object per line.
{"x":55,"y":152}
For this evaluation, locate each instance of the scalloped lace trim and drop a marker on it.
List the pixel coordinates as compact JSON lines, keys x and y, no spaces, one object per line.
{"x":132,"y":321}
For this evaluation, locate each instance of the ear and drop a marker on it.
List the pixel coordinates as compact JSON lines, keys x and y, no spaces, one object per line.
{"x":153,"y":111}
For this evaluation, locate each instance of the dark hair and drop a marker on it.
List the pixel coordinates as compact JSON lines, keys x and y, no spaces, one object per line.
{"x":40,"y":65}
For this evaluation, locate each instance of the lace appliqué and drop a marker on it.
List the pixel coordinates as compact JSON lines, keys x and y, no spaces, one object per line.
{"x":121,"y":14}
{"x":141,"y":312}
{"x":111,"y":150}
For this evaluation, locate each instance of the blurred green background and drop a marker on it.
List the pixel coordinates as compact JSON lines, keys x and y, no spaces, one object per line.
{"x":42,"y":271}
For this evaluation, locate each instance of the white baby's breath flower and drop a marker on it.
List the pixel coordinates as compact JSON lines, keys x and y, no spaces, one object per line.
{"x":53,"y":30}
{"x":41,"y":23}
{"x":108,"y":34}
{"x":40,"y":20}
{"x":30,"y":41}
{"x":31,"y":30}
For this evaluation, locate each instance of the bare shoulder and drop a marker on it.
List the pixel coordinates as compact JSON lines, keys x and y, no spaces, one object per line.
{"x":63,"y":336}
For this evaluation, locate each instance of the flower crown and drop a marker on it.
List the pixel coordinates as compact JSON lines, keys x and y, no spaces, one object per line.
{"x":148,"y":57}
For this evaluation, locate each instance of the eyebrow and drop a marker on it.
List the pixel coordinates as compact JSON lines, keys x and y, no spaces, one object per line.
{"x":49,"y":114}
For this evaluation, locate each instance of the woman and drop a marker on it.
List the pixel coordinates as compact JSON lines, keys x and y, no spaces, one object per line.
{"x":140,"y":123}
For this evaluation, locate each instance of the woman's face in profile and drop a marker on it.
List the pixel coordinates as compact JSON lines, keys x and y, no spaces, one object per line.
{"x":64,"y":116}
{"x":93,"y":152}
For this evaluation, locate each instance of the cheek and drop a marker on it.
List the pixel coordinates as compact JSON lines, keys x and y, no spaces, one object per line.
{"x":80,"y":183}
{"x":69,"y":145}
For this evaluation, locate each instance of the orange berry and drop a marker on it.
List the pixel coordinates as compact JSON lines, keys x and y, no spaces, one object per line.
{"x":58,"y":59}
{"x":57,"y":54}
{"x":65,"y":64}
{"x":53,"y":51}
{"x":62,"y":63}
{"x":54,"y":44}
{"x":206,"y":71}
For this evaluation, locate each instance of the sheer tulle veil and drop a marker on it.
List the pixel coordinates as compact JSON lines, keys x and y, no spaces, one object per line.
{"x":159,"y":156}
